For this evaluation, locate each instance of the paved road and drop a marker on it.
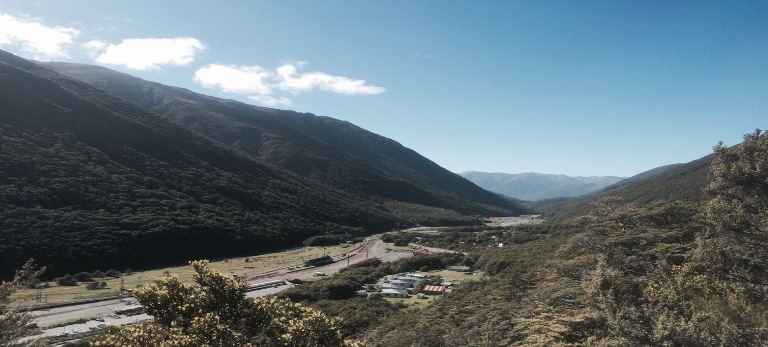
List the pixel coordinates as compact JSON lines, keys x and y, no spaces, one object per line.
{"x":108,"y":317}
{"x":105,"y":310}
{"x":372,"y":247}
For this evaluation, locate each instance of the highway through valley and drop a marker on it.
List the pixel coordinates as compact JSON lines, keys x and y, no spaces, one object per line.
{"x":94,"y":315}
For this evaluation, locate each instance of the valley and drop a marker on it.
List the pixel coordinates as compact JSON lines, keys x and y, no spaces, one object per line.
{"x":62,"y":317}
{"x":322,"y":233}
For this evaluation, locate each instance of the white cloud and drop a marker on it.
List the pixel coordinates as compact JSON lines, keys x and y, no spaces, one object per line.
{"x":292,"y":81}
{"x":235,"y":79}
{"x":34,"y":38}
{"x":259,"y":84}
{"x":94,"y":47}
{"x":150,"y":53}
{"x":269,"y":100}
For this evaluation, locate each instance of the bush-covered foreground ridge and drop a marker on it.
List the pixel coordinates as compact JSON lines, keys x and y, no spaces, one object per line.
{"x":214,"y":311}
{"x":672,"y":273}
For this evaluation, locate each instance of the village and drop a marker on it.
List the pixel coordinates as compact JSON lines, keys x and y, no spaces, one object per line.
{"x":418,"y":284}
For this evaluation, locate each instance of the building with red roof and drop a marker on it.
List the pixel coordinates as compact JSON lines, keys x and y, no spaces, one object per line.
{"x":433,"y":290}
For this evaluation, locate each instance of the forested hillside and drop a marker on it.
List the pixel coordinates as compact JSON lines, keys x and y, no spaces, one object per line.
{"x":88,"y":180}
{"x":323,"y":149}
{"x":92,"y":180}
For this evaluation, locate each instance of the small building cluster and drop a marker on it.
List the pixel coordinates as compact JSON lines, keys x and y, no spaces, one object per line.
{"x":398,"y":287}
{"x":401,"y":286}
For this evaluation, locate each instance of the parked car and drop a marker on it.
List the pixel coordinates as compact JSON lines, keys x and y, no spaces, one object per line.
{"x":98,"y":326}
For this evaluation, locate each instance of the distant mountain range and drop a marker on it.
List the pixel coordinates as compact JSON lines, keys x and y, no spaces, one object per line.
{"x":106,"y":170}
{"x":666,"y":183}
{"x":536,"y":186}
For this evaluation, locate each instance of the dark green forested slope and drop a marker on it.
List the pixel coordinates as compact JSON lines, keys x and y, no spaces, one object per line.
{"x":89,"y":180}
{"x":324,"y":149}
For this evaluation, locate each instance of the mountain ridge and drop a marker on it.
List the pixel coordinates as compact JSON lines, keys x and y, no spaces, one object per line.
{"x":682,"y":181}
{"x":86,"y":175}
{"x":536,"y":186}
{"x":90,"y":180}
{"x":324,"y":149}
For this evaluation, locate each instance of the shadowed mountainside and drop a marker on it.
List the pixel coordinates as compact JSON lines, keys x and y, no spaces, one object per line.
{"x":91,"y":180}
{"x":324,"y":149}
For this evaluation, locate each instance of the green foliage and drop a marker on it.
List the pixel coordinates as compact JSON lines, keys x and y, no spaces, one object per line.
{"x":681,"y":182}
{"x":399,"y":238}
{"x":628,"y":273}
{"x":371,"y":262}
{"x":83,"y":277}
{"x":13,"y":320}
{"x":437,"y":261}
{"x":726,"y":281}
{"x":357,"y":314}
{"x":112,"y":273}
{"x":327,"y":240}
{"x":215,"y":312}
{"x":96,"y":285}
{"x":343,"y":285}
{"x":416,"y":214}
{"x":738,"y":210}
{"x":66,"y":280}
{"x":567,"y":285}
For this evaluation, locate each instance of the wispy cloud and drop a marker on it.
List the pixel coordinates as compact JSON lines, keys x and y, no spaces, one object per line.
{"x":269,"y":100}
{"x":235,"y":79}
{"x":35,"y":38}
{"x":259,"y":84}
{"x":293,"y":81}
{"x":147,"y":53}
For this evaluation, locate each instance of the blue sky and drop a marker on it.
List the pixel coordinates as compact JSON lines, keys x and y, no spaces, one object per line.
{"x":579,"y":88}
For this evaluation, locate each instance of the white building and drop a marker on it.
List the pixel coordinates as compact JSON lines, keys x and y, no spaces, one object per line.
{"x":394,"y":293}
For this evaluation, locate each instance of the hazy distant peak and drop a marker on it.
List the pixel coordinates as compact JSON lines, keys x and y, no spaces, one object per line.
{"x":536,"y":186}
